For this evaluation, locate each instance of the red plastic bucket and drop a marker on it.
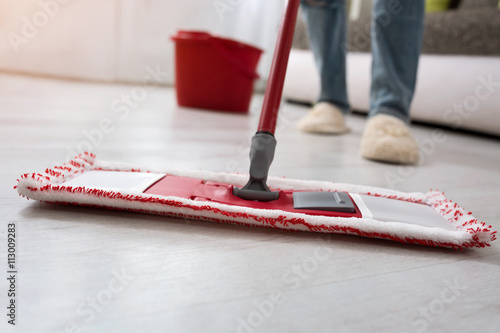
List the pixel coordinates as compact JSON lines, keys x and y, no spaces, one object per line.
{"x":214,"y":73}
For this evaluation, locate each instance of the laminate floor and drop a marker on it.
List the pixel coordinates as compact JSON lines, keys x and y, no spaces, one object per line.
{"x":94,"y":270}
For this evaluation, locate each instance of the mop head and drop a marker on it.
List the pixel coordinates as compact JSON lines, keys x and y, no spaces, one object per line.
{"x":86,"y":181}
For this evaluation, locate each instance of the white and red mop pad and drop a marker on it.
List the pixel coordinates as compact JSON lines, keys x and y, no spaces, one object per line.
{"x":429,"y":219}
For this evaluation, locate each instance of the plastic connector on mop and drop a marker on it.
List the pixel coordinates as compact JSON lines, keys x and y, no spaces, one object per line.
{"x":263,"y":142}
{"x":261,"y":156}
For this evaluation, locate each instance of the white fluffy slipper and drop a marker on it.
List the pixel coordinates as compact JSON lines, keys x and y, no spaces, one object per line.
{"x":324,"y":118}
{"x":388,"y":139}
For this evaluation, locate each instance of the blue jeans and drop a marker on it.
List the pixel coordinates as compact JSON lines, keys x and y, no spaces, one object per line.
{"x":396,"y":39}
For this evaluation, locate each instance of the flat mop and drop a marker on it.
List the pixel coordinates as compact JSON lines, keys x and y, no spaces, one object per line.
{"x":256,"y":199}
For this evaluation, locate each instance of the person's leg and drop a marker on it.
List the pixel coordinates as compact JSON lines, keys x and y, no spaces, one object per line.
{"x":397,"y":29}
{"x":326,"y":26}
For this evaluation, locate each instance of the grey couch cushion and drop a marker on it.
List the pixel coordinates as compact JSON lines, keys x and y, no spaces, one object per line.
{"x":300,"y":40}
{"x":475,"y":4}
{"x":467,"y":32}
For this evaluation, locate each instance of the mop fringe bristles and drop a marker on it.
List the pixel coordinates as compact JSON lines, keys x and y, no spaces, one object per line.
{"x":48,"y":187}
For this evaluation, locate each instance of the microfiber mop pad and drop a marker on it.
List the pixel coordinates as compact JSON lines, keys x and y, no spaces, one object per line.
{"x":89,"y":182}
{"x":258,"y":200}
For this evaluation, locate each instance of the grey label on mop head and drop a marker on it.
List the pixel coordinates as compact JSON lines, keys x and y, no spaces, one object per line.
{"x":330,"y":201}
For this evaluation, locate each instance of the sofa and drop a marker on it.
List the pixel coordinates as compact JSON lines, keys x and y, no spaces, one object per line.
{"x":458,"y":83}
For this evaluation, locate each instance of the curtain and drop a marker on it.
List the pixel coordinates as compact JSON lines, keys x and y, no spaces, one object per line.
{"x":118,"y":40}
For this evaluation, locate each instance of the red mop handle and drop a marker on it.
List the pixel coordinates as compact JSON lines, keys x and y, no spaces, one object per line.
{"x":274,"y":89}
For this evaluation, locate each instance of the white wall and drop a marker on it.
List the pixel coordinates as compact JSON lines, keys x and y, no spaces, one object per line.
{"x":116,"y":40}
{"x":75,"y":40}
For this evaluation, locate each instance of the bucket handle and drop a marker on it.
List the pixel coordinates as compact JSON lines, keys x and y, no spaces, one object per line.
{"x":232,"y":59}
